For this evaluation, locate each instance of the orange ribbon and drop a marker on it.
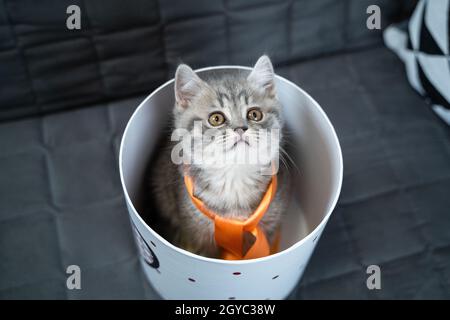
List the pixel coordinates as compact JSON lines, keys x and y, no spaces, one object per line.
{"x":239,"y":239}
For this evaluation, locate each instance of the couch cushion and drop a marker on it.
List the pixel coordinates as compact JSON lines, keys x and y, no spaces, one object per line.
{"x":61,"y":200}
{"x":124,"y":49}
{"x":61,"y":204}
{"x":393,"y":209}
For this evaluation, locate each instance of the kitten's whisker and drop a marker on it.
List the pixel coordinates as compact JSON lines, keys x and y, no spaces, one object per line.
{"x":283,"y":161}
{"x":284,"y":152}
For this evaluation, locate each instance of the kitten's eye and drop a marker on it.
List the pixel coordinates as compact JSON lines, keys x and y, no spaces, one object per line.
{"x":216,"y":119}
{"x":254,"y":114}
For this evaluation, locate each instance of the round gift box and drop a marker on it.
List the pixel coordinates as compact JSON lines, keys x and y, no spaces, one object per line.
{"x":178,"y":274}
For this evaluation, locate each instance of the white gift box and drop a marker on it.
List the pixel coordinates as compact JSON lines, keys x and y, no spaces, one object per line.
{"x":179,"y":274}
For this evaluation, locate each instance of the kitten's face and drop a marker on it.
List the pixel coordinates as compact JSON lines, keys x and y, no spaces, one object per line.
{"x":239,"y":114}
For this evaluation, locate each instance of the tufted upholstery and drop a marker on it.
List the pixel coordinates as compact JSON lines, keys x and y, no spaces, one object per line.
{"x":125,"y":48}
{"x":60,"y":196}
{"x":61,"y":204}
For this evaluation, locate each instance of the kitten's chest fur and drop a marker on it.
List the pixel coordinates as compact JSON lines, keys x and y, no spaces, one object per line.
{"x":234,"y":191}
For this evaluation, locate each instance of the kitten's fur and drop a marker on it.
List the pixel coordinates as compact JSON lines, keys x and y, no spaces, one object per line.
{"x":230,"y":190}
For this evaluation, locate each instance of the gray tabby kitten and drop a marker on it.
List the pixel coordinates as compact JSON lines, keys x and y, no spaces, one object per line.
{"x":237,"y":104}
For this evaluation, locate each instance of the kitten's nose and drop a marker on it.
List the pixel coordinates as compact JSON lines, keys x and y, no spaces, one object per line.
{"x":241,"y":130}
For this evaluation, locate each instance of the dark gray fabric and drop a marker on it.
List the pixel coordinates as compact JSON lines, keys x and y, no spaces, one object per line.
{"x":61,"y":202}
{"x":130,"y":47}
{"x":394,"y":207}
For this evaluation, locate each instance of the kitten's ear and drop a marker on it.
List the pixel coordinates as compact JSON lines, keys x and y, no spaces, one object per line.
{"x":187,"y":85}
{"x":262,"y":76}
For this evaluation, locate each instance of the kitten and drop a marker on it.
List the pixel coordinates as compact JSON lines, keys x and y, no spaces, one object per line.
{"x":235,"y":105}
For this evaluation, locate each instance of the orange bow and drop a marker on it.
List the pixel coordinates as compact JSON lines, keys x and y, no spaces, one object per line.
{"x":239,"y":239}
